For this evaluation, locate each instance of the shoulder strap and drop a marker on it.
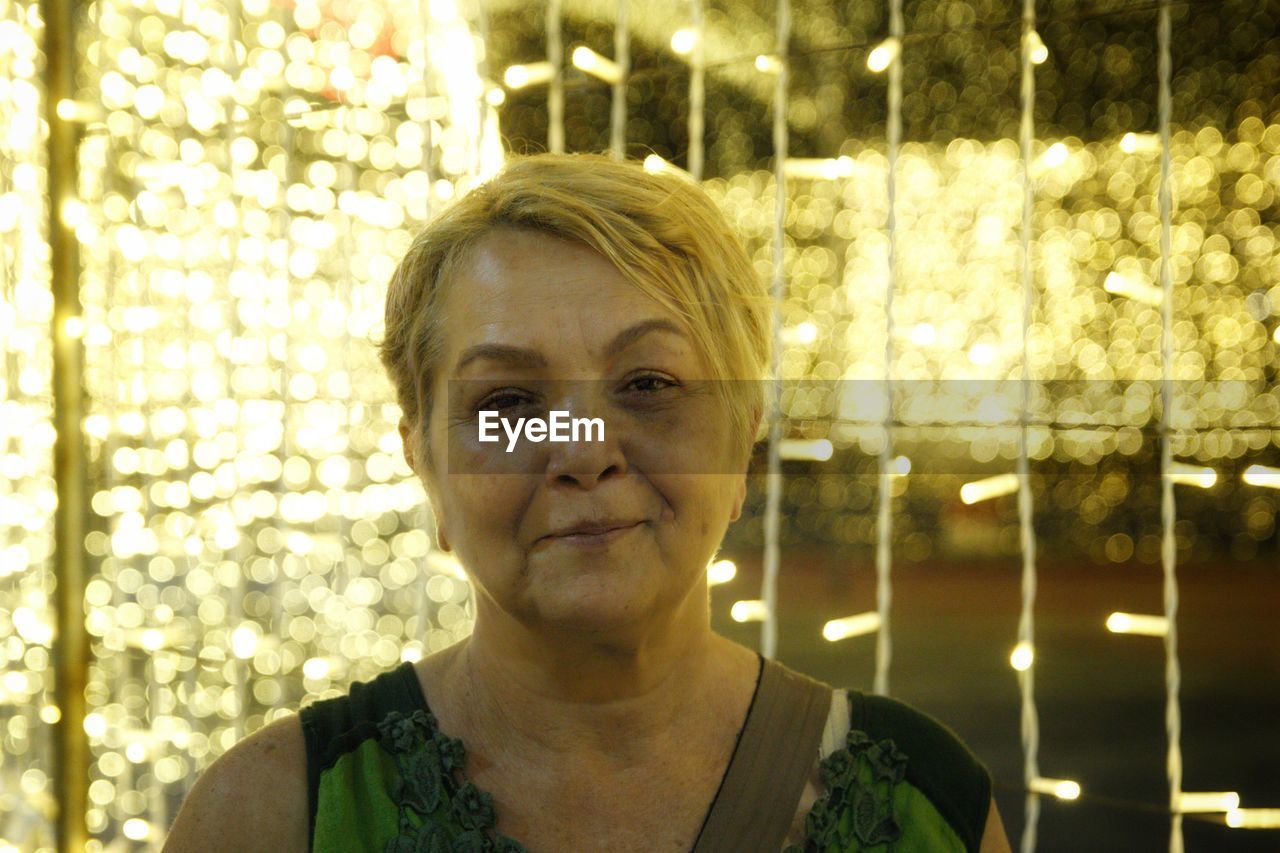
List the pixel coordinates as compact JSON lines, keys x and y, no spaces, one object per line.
{"x":332,"y":727}
{"x":836,"y":733}
{"x":755,"y":806}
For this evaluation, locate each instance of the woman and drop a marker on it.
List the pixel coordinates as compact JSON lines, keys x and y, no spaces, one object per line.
{"x":597,"y":708}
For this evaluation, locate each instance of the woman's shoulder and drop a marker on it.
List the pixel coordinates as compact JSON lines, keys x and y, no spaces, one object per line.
{"x":264,"y":790}
{"x":364,"y":705}
{"x":253,"y":796}
{"x":905,"y":743}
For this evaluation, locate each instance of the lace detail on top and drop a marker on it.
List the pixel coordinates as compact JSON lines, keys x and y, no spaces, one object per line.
{"x":862,"y":775}
{"x":378,"y":766}
{"x":854,"y":811}
{"x":455,"y":815}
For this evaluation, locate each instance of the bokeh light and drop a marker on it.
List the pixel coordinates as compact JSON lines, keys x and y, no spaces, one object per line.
{"x":250,"y":174}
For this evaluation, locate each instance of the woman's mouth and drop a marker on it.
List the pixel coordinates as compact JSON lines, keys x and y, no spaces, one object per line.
{"x":595,"y":540}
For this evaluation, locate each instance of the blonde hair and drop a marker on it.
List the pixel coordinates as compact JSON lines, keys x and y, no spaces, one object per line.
{"x":661,"y":231}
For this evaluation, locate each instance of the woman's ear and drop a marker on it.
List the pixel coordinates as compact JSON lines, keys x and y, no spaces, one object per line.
{"x":404,"y":440}
{"x":442,"y":539}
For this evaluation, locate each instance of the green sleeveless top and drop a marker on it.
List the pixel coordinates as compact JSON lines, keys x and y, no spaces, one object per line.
{"x":869,"y":773}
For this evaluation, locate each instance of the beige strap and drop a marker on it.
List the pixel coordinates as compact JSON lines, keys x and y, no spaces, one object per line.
{"x":756,"y":803}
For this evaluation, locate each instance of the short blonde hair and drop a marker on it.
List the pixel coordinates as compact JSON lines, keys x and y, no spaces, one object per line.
{"x":661,"y":231}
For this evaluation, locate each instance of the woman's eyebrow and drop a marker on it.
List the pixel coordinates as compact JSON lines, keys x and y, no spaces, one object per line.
{"x":524,"y":357}
{"x":633,"y":333}
{"x":517,"y":356}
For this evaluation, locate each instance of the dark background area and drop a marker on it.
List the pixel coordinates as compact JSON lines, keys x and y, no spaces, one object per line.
{"x":957,"y":568}
{"x":1100,"y":696}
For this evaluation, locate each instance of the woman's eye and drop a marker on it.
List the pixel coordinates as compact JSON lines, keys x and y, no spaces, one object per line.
{"x":666,"y":383}
{"x":498,"y":402}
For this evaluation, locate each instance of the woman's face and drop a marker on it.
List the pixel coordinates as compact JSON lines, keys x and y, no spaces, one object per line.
{"x":666,"y":460}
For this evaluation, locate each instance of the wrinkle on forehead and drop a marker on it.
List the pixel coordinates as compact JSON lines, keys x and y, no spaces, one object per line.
{"x":565,"y":281}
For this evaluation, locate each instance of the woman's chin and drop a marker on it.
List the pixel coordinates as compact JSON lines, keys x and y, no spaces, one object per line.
{"x":596,"y":606}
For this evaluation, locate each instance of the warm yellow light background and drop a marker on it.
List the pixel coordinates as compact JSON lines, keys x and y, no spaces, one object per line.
{"x":248,"y":182}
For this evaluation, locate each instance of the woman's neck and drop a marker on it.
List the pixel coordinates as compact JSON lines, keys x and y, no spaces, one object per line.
{"x":591,"y":703}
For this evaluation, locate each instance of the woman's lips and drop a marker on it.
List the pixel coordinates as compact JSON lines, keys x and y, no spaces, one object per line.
{"x":594,"y":540}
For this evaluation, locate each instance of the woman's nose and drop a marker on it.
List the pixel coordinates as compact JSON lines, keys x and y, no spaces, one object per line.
{"x":591,"y":453}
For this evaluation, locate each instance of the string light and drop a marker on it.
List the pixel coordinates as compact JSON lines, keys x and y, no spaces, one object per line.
{"x":1253,"y":818}
{"x":1144,"y":143}
{"x":851,"y":626}
{"x":1262,"y":475}
{"x":819,"y":168}
{"x":768,"y":64}
{"x":1141,"y":291}
{"x":721,"y":572}
{"x":988,"y":488}
{"x":752,"y":610}
{"x":801,"y":334}
{"x":883,"y":54}
{"x":520,"y":76}
{"x":1120,"y":622}
{"x":683,"y":41}
{"x":586,"y":59}
{"x":1022,"y":656}
{"x":812,"y":450}
{"x":1063,"y":789}
{"x":1208,"y":801}
{"x":1036,"y":50}
{"x":655,"y":163}
{"x":1193,"y":475}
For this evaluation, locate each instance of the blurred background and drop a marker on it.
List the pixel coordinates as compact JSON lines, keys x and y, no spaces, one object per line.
{"x":206,"y":520}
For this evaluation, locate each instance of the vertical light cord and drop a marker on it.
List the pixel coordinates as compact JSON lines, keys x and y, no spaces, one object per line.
{"x":697,"y":93}
{"x":287,"y":449}
{"x":1168,"y":512}
{"x":428,"y":138}
{"x":773,"y":498}
{"x":622,"y":56}
{"x":477,"y":14}
{"x":555,"y":92}
{"x":884,"y":517}
{"x":1026,"y":623}
{"x":240,"y":553}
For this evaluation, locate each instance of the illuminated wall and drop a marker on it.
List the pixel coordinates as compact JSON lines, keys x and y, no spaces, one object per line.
{"x":958,"y":312}
{"x":250,"y":175}
{"x":27,"y":498}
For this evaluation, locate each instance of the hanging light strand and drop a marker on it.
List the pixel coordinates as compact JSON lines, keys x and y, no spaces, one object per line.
{"x":697,"y":92}
{"x":884,"y":517}
{"x":1169,"y":554}
{"x":622,"y":56}
{"x":1030,"y":721}
{"x":555,"y":92}
{"x":773,"y":497}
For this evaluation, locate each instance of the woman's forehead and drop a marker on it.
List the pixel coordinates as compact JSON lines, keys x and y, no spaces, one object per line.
{"x":523,"y":266}
{"x":539,"y":291}
{"x":504,"y":346}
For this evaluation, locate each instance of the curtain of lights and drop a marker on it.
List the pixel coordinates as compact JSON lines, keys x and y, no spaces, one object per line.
{"x":250,"y":173}
{"x":249,"y":176}
{"x":28,"y":493}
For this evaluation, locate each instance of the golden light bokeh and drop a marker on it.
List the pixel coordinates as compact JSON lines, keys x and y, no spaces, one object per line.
{"x":250,"y":175}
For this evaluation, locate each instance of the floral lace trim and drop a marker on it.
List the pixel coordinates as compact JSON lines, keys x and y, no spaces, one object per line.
{"x":427,"y":760}
{"x":858,"y":802}
{"x":856,"y":805}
